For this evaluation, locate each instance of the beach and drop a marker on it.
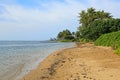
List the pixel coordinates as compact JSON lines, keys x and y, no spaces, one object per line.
{"x":18,"y":58}
{"x":86,"y":62}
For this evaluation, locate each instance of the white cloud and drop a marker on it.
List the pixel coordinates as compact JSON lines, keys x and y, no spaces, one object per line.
{"x":110,"y":6}
{"x":57,"y":13}
{"x":53,"y":16}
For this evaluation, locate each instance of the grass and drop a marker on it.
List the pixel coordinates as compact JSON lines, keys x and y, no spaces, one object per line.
{"x":65,"y":40}
{"x":110,"y":39}
{"x":83,"y":40}
{"x":118,"y":51}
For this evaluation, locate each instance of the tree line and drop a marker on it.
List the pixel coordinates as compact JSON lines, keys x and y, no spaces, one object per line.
{"x":93,"y":24}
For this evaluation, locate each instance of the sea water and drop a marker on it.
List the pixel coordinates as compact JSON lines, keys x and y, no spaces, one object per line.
{"x":17,"y":58}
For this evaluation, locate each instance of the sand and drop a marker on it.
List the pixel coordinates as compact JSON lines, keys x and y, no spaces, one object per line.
{"x":86,"y":62}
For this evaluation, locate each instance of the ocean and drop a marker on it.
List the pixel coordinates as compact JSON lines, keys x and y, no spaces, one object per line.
{"x":17,"y":58}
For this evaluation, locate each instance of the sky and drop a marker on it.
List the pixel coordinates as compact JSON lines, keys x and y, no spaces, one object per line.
{"x":43,"y":19}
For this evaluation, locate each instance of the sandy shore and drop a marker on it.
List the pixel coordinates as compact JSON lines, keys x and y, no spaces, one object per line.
{"x":86,"y":62}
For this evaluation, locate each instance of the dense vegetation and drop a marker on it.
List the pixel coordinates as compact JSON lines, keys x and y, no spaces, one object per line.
{"x":90,"y":21}
{"x":91,"y":15}
{"x":65,"y":36}
{"x":94,"y":23}
{"x":98,"y":26}
{"x":110,"y":39}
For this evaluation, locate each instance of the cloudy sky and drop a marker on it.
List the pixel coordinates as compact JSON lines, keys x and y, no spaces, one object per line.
{"x":42,"y":19}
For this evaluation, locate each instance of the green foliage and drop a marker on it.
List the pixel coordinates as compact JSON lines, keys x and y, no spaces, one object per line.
{"x":91,"y":15}
{"x":99,"y":27}
{"x":52,"y":39}
{"x":118,"y":51}
{"x":65,"y":36}
{"x":68,"y":37}
{"x":66,"y":40}
{"x":83,"y":40}
{"x":77,"y":36}
{"x":110,"y":39}
{"x":93,"y":25}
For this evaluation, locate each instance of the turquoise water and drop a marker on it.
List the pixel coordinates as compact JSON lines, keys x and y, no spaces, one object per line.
{"x":17,"y":58}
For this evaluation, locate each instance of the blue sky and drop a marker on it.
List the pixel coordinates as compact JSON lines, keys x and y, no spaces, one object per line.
{"x":42,"y":19}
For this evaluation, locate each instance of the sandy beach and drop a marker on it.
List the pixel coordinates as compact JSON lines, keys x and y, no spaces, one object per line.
{"x":86,"y":62}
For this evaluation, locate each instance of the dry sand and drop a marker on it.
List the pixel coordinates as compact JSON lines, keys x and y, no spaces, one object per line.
{"x":86,"y":62}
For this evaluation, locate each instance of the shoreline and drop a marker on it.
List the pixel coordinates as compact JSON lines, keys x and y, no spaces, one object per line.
{"x":87,"y":62}
{"x":33,"y":63}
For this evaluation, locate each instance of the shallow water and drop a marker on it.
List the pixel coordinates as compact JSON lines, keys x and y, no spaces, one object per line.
{"x":17,"y":58}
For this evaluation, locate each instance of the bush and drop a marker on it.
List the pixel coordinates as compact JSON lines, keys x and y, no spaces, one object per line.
{"x":99,"y":27}
{"x":65,"y":36}
{"x":118,"y":51}
{"x":83,"y":40}
{"x":110,"y":39}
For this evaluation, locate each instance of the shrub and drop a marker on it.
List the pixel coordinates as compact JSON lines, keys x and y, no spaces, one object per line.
{"x":83,"y":40}
{"x":110,"y":39}
{"x":118,"y":51}
{"x":99,"y":27}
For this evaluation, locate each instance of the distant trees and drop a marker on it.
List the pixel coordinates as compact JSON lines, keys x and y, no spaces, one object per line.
{"x":65,"y":35}
{"x":52,"y":39}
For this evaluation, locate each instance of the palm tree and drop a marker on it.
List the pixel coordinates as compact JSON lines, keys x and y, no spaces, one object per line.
{"x":91,"y":15}
{"x":83,"y":17}
{"x":103,"y":15}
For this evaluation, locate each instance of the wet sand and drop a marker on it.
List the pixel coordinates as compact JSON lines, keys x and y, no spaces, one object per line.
{"x":86,"y":62}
